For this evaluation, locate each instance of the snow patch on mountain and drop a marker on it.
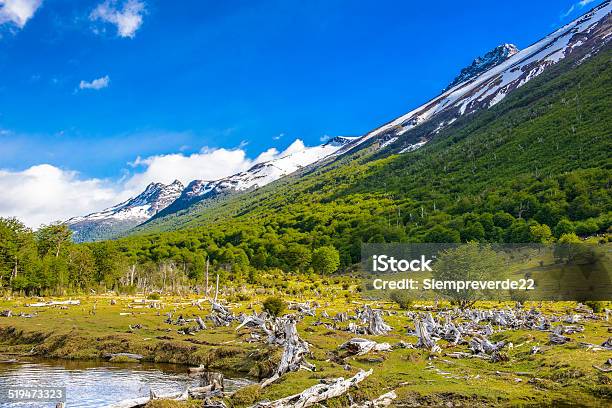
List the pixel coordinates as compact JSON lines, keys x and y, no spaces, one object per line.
{"x":127,"y":214}
{"x":505,"y":69}
{"x":413,"y":147}
{"x":160,"y":199}
{"x":483,"y":63}
{"x":260,"y":174}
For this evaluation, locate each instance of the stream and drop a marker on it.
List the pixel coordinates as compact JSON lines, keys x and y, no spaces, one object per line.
{"x":96,"y":384}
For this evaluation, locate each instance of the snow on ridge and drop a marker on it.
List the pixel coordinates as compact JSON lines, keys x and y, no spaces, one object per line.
{"x":153,"y":199}
{"x":483,"y":63}
{"x":491,"y":86}
{"x":157,"y":196}
{"x":388,"y":142}
{"x":264,"y":173}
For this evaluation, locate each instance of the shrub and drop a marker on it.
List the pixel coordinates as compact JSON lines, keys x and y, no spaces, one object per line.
{"x":326,"y":260}
{"x":274,"y":306}
{"x":597,"y":306}
{"x":243,"y":297}
{"x":246,"y":395}
{"x":520,"y":296}
{"x":154,"y":296}
{"x":402,"y":299}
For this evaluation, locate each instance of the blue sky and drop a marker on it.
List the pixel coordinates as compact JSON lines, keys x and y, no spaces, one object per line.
{"x":89,"y":86}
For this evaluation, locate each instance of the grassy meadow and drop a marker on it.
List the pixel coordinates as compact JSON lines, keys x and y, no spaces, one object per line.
{"x":557,"y":375}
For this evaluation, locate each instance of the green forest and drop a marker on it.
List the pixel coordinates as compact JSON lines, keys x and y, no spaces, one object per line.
{"x":534,"y":168}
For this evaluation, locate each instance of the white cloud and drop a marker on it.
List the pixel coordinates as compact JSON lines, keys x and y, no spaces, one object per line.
{"x":208,"y":164}
{"x":96,"y":84}
{"x":576,"y":6}
{"x":44,"y":193}
{"x":18,"y":12}
{"x":127,"y":19}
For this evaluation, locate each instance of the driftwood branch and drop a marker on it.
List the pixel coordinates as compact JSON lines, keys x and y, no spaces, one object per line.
{"x":142,"y":401}
{"x":55,"y":303}
{"x":383,"y":401}
{"x":360,"y":346}
{"x":317,"y":393}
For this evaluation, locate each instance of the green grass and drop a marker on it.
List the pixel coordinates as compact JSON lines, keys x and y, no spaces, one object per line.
{"x":560,"y":375}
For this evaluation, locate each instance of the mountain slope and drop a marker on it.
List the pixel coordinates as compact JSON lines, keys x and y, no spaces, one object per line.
{"x":482,"y":64}
{"x":579,"y":39}
{"x":539,"y":159}
{"x":124,"y":216}
{"x":159,"y":200}
{"x":574,"y":42}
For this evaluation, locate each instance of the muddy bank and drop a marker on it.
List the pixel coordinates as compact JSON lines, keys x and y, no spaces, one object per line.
{"x":74,"y":345}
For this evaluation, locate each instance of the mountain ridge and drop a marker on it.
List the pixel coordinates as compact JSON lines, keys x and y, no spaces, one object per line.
{"x":589,"y":31}
{"x":483,"y":63}
{"x":160,"y":200}
{"x":127,"y":214}
{"x":583,"y":37}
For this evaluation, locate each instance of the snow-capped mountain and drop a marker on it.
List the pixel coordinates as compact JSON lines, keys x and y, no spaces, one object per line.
{"x":481,"y":64}
{"x":477,"y":90}
{"x":127,"y":214}
{"x":487,"y":81}
{"x":258,"y":175}
{"x":159,"y":199}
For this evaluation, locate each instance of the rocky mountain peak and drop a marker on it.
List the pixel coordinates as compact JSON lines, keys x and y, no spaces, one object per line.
{"x":483,"y":63}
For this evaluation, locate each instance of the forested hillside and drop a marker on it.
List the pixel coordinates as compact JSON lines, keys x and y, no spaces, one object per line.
{"x":539,"y":159}
{"x":534,"y":168}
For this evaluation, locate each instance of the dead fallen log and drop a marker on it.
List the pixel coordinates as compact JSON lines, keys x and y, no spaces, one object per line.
{"x":304,"y":308}
{"x":607,"y":366}
{"x":271,"y":326}
{"x":603,"y":369}
{"x":605,"y":346}
{"x":317,"y":393}
{"x":142,"y":401}
{"x":220,"y":315}
{"x":124,"y":355}
{"x":6,"y":313}
{"x":383,"y":401}
{"x":55,"y":303}
{"x":461,"y":354}
{"x":252,"y":321}
{"x":403,"y":345}
{"x":480,"y":345}
{"x":359,"y":346}
{"x":556,"y":337}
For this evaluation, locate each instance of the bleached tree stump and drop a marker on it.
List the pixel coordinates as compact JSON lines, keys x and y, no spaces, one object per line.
{"x":294,"y":352}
